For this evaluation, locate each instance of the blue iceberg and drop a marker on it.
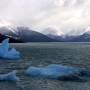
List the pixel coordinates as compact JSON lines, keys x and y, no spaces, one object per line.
{"x":7,"y":53}
{"x":59,"y":72}
{"x":54,"y":71}
{"x":11,"y":76}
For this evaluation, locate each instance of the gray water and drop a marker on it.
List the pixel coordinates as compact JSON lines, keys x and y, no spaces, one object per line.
{"x":42,"y":54}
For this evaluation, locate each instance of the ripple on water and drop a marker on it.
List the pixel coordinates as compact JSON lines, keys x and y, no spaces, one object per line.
{"x":41,"y":54}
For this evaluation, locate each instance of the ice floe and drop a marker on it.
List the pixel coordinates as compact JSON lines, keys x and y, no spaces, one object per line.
{"x":11,"y":76}
{"x":55,"y":71}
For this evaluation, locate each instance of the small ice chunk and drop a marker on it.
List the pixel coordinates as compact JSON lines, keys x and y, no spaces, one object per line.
{"x":11,"y":76}
{"x":6,"y":53}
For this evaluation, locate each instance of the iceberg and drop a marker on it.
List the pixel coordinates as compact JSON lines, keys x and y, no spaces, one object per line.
{"x":59,"y":72}
{"x":11,"y":76}
{"x":53,"y":71}
{"x":7,"y":53}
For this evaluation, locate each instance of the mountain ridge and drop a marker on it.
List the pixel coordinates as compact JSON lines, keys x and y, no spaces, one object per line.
{"x":25,"y":34}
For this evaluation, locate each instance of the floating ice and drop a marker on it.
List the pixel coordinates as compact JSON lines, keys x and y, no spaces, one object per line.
{"x":55,"y":71}
{"x":11,"y":76}
{"x":52,"y":71}
{"x":6,"y":53}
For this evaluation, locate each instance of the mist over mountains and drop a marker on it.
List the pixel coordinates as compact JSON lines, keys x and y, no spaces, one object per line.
{"x":25,"y":34}
{"x":70,"y":37}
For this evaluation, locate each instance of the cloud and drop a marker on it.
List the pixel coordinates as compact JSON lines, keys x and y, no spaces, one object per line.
{"x":66,"y":15}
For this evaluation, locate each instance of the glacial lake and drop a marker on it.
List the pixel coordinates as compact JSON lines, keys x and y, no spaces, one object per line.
{"x":43,"y":54}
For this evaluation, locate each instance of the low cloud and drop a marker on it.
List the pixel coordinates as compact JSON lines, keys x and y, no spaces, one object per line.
{"x":66,"y":15}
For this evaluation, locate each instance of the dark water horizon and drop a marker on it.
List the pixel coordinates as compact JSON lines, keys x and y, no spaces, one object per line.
{"x":42,"y":54}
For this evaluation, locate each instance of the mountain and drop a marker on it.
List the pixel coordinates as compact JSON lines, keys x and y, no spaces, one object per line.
{"x":85,"y":37}
{"x":64,"y":38}
{"x":12,"y":40}
{"x":25,"y":34}
{"x":53,"y":33}
{"x":61,"y":37}
{"x":55,"y":37}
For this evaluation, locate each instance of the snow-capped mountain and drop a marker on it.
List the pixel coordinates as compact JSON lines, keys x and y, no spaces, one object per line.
{"x":25,"y":34}
{"x":85,"y":37}
{"x":7,"y":31}
{"x":53,"y":33}
{"x":12,"y":39}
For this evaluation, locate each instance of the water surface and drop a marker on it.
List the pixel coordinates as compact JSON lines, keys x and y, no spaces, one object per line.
{"x":42,"y":54}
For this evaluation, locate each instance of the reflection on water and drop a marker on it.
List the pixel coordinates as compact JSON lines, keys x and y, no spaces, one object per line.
{"x":43,"y":54}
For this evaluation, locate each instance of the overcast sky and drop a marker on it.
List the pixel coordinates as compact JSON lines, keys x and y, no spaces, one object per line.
{"x":67,"y":16}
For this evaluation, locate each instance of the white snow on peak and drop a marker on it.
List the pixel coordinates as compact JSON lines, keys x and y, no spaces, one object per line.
{"x":87,"y":30}
{"x":53,"y":31}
